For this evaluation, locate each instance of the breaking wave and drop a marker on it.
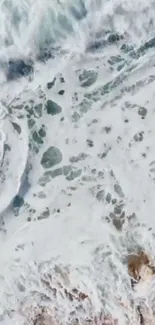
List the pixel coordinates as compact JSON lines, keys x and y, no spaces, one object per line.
{"x":77,"y":175}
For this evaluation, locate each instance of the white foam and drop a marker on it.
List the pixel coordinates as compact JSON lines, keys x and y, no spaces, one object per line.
{"x":79,"y":234}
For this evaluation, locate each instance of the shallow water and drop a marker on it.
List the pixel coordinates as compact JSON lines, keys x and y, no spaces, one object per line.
{"x":77,"y":177}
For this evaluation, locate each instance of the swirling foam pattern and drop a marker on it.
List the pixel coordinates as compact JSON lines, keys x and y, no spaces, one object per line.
{"x":77,"y":160}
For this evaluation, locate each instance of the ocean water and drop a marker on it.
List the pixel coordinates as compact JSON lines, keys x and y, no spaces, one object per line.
{"x":77,"y":155}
